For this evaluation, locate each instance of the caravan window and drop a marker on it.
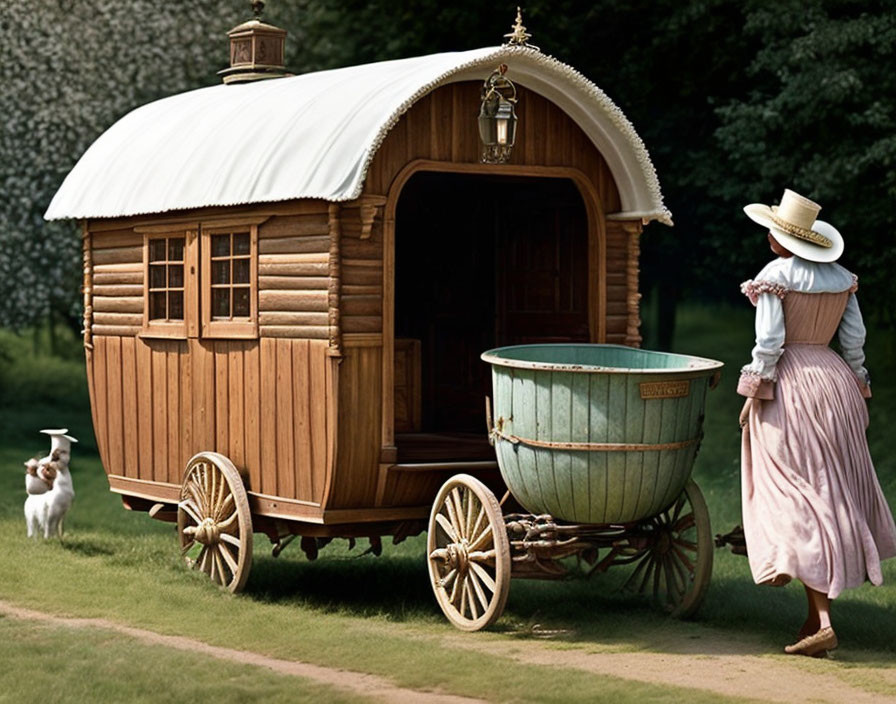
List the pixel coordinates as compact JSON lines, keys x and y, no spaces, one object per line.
{"x":201,"y":282}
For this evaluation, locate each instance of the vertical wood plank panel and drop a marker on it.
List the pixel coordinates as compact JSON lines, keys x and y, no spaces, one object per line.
{"x":580,"y":417}
{"x":159,"y":405}
{"x":371,"y":378}
{"x":617,"y":406}
{"x":172,"y":383}
{"x":418,"y":139}
{"x":503,"y":390}
{"x":398,"y":154}
{"x":268,"y":416}
{"x":634,"y":461}
{"x":600,"y":419}
{"x":457,"y":122}
{"x":129,"y":397}
{"x":144,"y":399}
{"x":350,"y":432}
{"x":253,"y":415}
{"x":222,"y":401}
{"x":561,"y":420}
{"x":202,"y":358}
{"x":286,"y":480}
{"x":185,"y":428}
{"x":101,"y":398}
{"x":237,"y":381}
{"x":318,"y":416}
{"x":439,"y":127}
{"x":524,"y":426}
{"x":544,"y":458}
{"x":116,"y":426}
{"x":653,"y":420}
{"x":302,"y":408}
{"x":90,"y":360}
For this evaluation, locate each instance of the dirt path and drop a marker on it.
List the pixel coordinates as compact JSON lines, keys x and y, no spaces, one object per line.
{"x":358,"y":683}
{"x":737,"y":671}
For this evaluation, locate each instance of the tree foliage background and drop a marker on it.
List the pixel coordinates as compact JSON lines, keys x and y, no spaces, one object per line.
{"x":735,"y":100}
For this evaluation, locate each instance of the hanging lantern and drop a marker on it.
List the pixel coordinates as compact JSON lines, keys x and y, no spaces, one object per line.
{"x":497,"y":118}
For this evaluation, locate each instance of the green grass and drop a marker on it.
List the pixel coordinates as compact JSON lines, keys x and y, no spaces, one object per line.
{"x":378,"y":615}
{"x":46,"y":664}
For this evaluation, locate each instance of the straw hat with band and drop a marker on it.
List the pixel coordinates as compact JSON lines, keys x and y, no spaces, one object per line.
{"x":794,"y":226}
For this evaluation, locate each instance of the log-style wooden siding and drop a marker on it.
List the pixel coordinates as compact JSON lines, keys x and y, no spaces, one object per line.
{"x":293,"y":275}
{"x":361,"y":295}
{"x":117,"y":283}
{"x":623,"y":249}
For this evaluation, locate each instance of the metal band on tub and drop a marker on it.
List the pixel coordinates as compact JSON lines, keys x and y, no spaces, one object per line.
{"x":595,"y":446}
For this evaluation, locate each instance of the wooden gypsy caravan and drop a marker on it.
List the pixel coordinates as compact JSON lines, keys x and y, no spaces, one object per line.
{"x":288,"y":283}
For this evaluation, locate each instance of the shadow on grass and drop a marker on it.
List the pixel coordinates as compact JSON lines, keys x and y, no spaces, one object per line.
{"x":737,"y":617}
{"x":394,"y":587}
{"x":86,"y":547}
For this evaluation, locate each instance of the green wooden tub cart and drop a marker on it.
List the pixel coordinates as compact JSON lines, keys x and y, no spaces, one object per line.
{"x":596,"y":443}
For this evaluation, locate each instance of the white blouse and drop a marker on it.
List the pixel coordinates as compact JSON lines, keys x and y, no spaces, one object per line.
{"x":800,"y":275}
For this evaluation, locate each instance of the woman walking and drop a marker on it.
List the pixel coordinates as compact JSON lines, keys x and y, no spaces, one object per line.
{"x":812,"y":506}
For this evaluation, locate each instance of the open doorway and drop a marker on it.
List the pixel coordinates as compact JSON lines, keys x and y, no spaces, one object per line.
{"x":480,"y":262}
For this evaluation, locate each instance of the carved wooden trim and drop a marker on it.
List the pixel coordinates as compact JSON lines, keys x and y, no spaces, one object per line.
{"x":334,"y":289}
{"x":633,"y":300}
{"x":87,"y":287}
{"x":211,"y":221}
{"x":369,"y":206}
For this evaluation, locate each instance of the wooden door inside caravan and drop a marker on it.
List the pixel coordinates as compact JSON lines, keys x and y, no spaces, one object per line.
{"x":481,"y":261}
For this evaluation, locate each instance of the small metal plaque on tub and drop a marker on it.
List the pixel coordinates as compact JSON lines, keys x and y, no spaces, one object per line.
{"x":665,"y":389}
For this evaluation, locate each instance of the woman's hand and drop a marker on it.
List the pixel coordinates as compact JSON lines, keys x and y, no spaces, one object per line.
{"x":745,"y":412}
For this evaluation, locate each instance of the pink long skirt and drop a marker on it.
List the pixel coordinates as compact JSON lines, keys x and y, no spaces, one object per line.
{"x":812,"y":506}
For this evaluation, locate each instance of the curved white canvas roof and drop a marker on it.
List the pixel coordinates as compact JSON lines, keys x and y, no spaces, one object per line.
{"x":314,"y":136}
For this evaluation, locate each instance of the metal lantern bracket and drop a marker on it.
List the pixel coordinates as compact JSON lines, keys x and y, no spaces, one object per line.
{"x":497,"y":117}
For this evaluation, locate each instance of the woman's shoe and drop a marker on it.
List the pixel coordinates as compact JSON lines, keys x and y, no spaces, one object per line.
{"x":817,"y":645}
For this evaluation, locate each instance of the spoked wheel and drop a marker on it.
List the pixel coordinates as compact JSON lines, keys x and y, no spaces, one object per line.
{"x":213,"y":520}
{"x":468,"y":553}
{"x":675,"y":567}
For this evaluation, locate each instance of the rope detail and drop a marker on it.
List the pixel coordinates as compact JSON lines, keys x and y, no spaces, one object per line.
{"x":801,"y":232}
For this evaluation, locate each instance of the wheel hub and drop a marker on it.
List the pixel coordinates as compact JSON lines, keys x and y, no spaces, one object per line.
{"x":207,"y":532}
{"x":459,"y":556}
{"x":663,"y":542}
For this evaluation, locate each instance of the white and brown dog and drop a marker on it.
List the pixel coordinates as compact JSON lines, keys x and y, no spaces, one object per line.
{"x":49,"y":486}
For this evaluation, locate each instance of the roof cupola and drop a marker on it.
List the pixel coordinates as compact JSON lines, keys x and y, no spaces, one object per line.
{"x":256,"y":50}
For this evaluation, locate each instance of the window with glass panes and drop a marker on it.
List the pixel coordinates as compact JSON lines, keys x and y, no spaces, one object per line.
{"x":231,"y":262}
{"x":166,"y":279}
{"x":228,"y":282}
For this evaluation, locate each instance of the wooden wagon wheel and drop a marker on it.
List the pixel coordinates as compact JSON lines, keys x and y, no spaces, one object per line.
{"x":675,"y":568}
{"x":214,"y":523}
{"x":468,"y":553}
